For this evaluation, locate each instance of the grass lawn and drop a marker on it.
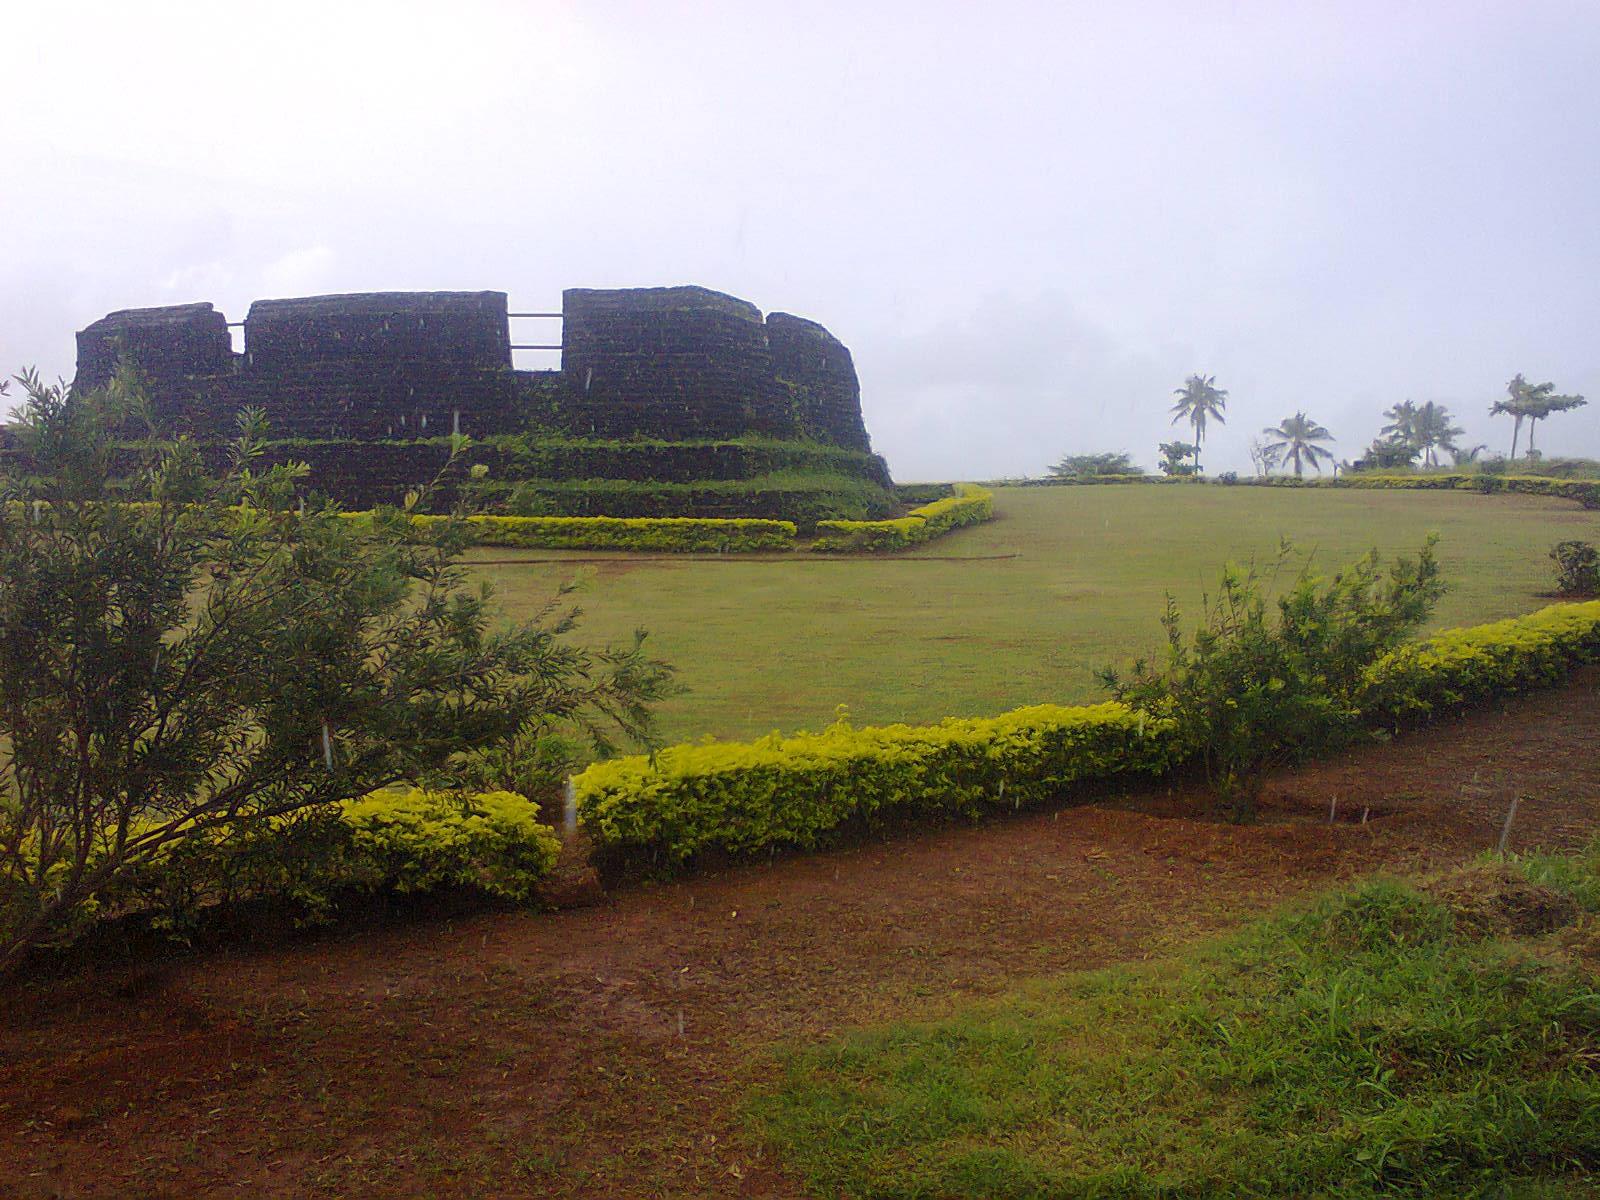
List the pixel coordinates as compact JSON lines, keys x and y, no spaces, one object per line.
{"x":1385,"y":1042}
{"x":955,"y":629}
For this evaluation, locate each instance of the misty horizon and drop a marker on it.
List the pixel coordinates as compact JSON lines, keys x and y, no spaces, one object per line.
{"x":1028,"y":224}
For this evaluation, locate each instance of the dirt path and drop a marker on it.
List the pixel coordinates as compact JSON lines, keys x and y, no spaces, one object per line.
{"x":603,"y":1051}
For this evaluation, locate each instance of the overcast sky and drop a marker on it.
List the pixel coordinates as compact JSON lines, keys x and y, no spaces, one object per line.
{"x":1028,"y":221}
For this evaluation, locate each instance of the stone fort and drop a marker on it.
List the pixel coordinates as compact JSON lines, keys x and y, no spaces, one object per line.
{"x":674,"y":363}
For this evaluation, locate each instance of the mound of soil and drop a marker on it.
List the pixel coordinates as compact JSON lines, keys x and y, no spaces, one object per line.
{"x":1497,"y":900}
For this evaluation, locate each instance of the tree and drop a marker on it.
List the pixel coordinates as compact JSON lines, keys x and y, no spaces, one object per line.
{"x":1434,"y":431}
{"x":1541,"y":404}
{"x":1199,"y":400}
{"x":1426,"y":428}
{"x":1465,"y":456}
{"x":1261,"y":458}
{"x":1074,"y":466}
{"x":1531,"y":402}
{"x":1178,"y":458}
{"x":1258,"y":686}
{"x":1297,"y":439}
{"x":1387,"y":453}
{"x":1401,"y":426}
{"x":183,"y":654}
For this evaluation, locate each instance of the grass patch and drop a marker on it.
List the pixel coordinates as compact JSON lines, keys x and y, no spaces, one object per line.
{"x":956,"y":628}
{"x":1370,"y":1044}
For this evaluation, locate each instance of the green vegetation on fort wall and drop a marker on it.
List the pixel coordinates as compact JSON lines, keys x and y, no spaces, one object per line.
{"x":674,"y":534}
{"x":741,"y":798}
{"x":804,"y":497}
{"x":541,"y":456}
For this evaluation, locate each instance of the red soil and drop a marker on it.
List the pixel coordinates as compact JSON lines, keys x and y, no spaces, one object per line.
{"x":603,"y":1051}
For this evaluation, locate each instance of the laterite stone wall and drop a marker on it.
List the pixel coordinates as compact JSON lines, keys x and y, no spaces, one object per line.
{"x":668,"y":365}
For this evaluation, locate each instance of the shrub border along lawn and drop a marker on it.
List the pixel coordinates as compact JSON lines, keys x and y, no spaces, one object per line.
{"x":969,"y":505}
{"x":1585,"y":491}
{"x":744,"y":797}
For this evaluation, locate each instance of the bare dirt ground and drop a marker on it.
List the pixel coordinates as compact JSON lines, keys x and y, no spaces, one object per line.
{"x":603,"y":1051}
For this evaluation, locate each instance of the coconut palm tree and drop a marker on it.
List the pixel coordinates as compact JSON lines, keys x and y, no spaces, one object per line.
{"x":1425,"y":428}
{"x":1199,"y":399}
{"x":1515,"y":407}
{"x":1296,"y":442}
{"x":1434,"y":432}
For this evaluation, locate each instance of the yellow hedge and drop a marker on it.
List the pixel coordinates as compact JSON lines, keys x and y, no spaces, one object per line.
{"x":746,"y":797}
{"x":387,"y":841}
{"x":1468,"y":666}
{"x":794,"y":791}
{"x":970,"y":505}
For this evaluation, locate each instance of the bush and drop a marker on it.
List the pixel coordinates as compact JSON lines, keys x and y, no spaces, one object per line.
{"x":748,"y":797}
{"x":802,"y":497}
{"x":1104,"y":463}
{"x":796,"y":791}
{"x":388,"y":841}
{"x":674,"y":534}
{"x":1469,"y":666}
{"x":1577,"y":568}
{"x":1253,"y":688}
{"x":970,"y":505}
{"x":183,"y":654}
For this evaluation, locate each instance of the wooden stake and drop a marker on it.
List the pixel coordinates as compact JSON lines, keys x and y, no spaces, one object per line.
{"x":1505,"y":830}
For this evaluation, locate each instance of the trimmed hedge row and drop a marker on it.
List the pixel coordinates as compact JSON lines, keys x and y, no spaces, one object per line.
{"x":970,"y":505}
{"x":794,"y":792}
{"x":1585,"y":491}
{"x":673,"y":534}
{"x":387,"y":841}
{"x":1469,"y":666}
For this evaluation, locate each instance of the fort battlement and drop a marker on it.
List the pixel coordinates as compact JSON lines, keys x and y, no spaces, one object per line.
{"x":677,"y":363}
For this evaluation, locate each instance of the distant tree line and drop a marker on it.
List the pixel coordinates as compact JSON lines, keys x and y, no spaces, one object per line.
{"x":1413,"y":434}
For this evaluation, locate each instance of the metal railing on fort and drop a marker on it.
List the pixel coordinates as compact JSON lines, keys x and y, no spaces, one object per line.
{"x":554,"y":316}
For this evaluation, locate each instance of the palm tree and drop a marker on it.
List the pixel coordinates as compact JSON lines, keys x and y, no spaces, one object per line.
{"x":1297,"y":439}
{"x":1434,"y":431}
{"x":1402,"y":426}
{"x":1516,"y":407}
{"x":1198,"y":400}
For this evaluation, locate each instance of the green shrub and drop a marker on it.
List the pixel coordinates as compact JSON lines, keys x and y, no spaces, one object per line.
{"x":804,"y":497}
{"x":1259,"y":686}
{"x":1469,"y":666}
{"x":674,"y":534}
{"x":796,"y":791}
{"x":970,"y":505}
{"x":1577,"y":568}
{"x":387,"y":841}
{"x":1585,"y":491}
{"x":748,"y":797}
